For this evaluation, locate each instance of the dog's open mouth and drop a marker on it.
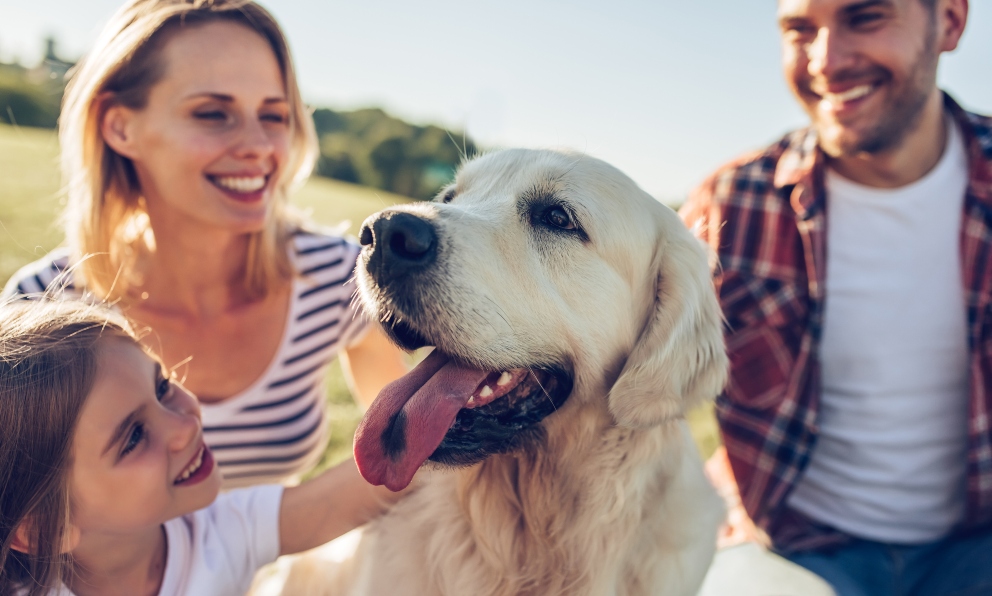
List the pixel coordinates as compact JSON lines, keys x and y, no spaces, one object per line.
{"x":454,"y":414}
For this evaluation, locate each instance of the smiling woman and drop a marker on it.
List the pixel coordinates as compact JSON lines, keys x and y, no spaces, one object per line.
{"x":183,"y":133}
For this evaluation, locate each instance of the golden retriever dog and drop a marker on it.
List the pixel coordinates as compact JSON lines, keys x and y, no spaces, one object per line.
{"x":573,"y":321}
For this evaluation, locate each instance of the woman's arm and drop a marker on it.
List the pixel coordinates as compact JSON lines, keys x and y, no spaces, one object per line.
{"x":332,"y":504}
{"x":372,"y":364}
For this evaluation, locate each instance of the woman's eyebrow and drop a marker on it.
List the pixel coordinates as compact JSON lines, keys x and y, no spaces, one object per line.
{"x":224,"y":97}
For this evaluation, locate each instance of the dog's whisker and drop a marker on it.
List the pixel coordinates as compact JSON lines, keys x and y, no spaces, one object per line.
{"x":545,"y":391}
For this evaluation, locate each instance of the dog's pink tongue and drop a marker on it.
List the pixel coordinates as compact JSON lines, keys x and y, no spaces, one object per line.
{"x":409,"y":419}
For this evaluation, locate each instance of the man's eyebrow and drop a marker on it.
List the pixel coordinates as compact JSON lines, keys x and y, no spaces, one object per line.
{"x":122,"y":428}
{"x":857,"y":6}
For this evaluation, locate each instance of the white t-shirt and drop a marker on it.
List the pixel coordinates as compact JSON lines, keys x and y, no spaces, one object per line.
{"x":889,"y":461}
{"x":217,"y":550}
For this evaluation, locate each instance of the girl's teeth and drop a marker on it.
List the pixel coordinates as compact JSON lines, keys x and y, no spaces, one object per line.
{"x":193,"y":467}
{"x":239,"y":184}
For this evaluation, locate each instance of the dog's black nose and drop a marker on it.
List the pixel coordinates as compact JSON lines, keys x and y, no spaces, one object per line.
{"x":398,"y":242}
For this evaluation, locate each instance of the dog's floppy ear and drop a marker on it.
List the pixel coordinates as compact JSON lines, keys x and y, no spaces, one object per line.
{"x":679,"y":359}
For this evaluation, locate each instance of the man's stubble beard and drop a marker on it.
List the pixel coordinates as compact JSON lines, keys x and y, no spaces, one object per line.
{"x":901,"y":116}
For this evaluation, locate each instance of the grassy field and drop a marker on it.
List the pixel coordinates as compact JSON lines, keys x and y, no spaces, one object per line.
{"x":30,"y":202}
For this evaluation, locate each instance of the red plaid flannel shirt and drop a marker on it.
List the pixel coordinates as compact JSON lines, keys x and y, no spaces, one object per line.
{"x":764,"y":216}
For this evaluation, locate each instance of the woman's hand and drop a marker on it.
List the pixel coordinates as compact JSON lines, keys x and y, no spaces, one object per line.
{"x":372,"y":364}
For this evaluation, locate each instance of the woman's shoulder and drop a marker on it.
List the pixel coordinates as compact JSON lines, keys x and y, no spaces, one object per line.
{"x":49,"y":273}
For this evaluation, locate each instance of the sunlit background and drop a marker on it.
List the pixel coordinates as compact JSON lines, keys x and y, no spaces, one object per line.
{"x":664,"y":90}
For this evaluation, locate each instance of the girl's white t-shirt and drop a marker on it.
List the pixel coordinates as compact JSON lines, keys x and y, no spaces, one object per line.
{"x":217,"y":550}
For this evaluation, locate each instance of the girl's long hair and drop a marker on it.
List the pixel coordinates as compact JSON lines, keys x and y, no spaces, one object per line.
{"x":105,"y":216}
{"x":47,"y":368}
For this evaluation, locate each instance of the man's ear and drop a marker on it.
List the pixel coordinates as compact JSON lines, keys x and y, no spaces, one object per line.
{"x":679,"y":359}
{"x":22,"y":538}
{"x":117,"y":128}
{"x":952,"y":16}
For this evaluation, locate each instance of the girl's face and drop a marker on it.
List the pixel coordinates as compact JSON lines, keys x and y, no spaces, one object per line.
{"x":138,"y":453}
{"x":209,"y":144}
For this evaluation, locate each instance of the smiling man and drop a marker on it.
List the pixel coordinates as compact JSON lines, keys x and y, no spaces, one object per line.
{"x":855,"y":273}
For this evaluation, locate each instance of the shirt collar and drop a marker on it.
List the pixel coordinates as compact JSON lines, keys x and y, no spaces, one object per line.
{"x":802,"y":162}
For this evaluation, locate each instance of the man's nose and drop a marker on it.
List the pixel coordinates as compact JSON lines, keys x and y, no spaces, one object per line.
{"x":825,"y":54}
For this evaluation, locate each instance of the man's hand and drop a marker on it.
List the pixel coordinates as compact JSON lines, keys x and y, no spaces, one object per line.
{"x":738,"y":527}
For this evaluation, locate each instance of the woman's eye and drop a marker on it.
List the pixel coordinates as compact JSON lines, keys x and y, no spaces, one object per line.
{"x":134,"y":439}
{"x":162,"y":389}
{"x":559,"y":218}
{"x":210,"y":116}
{"x":275,"y":118}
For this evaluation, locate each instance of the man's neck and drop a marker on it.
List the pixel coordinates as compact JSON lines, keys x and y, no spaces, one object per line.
{"x":912,"y":159}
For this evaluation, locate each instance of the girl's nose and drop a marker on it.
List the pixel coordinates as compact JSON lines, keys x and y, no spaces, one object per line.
{"x":184,"y":419}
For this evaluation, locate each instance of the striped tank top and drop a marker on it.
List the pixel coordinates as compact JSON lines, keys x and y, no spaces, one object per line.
{"x":277,"y":428}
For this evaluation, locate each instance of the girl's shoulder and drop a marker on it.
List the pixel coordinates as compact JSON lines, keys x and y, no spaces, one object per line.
{"x":49,"y":274}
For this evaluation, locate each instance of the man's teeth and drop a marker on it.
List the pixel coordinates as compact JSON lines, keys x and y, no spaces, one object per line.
{"x":240,"y":184}
{"x":193,"y":466}
{"x":849,"y":95}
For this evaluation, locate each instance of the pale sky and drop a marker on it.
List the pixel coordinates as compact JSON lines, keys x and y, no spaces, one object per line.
{"x":664,"y":90}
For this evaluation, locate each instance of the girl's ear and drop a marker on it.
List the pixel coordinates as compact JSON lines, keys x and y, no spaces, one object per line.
{"x":22,"y":538}
{"x":117,"y":128}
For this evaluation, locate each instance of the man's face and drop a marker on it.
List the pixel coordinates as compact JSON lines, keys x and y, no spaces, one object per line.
{"x":862,"y":69}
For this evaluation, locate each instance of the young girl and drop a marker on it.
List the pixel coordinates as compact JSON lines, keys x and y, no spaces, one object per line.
{"x":106,"y":484}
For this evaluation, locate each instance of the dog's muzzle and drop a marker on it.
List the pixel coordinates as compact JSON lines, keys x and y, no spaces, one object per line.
{"x":397,"y":245}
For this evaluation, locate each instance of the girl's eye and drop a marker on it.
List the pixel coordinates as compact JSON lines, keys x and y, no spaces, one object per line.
{"x":162,"y":389}
{"x":134,"y":439}
{"x":559,"y":218}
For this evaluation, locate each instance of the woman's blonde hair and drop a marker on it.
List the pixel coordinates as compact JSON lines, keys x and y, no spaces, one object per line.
{"x":47,"y":369}
{"x":104,"y":215}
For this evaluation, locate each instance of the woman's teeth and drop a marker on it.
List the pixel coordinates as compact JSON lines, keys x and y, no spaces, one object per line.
{"x":240,"y":184}
{"x":193,"y":466}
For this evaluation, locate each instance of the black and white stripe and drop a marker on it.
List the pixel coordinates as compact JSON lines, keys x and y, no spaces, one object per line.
{"x":277,"y":428}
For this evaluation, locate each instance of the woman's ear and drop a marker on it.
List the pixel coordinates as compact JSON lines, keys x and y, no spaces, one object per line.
{"x":117,"y":129}
{"x":22,"y":538}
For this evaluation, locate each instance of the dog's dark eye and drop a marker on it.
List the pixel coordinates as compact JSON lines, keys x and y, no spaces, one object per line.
{"x":559,"y":218}
{"x":448,"y":196}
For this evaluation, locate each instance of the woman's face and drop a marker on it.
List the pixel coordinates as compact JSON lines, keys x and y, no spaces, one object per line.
{"x":209,"y":144}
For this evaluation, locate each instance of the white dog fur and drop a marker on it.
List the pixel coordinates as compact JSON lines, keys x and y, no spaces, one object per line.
{"x":613,"y":500}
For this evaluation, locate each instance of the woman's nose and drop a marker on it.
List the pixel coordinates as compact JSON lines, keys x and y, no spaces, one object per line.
{"x":255,"y":141}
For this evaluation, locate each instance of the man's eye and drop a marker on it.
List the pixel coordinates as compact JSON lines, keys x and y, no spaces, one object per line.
{"x":162,"y":389}
{"x":864,"y":20}
{"x":134,"y":439}
{"x":559,"y":218}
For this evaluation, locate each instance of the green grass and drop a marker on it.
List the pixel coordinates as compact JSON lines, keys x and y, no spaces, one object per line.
{"x":30,"y":202}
